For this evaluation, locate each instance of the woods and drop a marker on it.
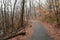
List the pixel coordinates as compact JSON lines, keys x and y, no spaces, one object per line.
{"x":16,"y":14}
{"x":8,"y":23}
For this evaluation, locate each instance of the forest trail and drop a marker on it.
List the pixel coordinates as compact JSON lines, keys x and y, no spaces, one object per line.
{"x":40,"y":33}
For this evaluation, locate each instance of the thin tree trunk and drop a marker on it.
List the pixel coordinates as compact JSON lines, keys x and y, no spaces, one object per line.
{"x":13,"y":15}
{"x":22,"y":15}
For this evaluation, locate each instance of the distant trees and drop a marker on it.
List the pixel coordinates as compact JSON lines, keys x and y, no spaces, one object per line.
{"x":57,"y":13}
{"x":54,"y":6}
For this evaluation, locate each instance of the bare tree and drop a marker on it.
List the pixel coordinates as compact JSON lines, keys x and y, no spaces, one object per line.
{"x":22,"y":13}
{"x":13,"y":14}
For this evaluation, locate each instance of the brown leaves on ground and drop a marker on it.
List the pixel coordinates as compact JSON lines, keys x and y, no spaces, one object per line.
{"x":54,"y":32}
{"x":29,"y":32}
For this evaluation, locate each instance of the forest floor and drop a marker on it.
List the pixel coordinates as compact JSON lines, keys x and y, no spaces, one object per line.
{"x":54,"y":32}
{"x":40,"y":32}
{"x":29,"y":32}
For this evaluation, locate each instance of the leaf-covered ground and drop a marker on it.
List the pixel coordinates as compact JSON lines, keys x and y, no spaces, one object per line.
{"x":29,"y":31}
{"x":54,"y":32}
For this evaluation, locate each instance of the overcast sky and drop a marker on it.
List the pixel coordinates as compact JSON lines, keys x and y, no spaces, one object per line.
{"x":19,"y":1}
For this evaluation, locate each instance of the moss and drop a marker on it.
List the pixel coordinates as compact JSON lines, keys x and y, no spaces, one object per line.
{"x":49,"y":19}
